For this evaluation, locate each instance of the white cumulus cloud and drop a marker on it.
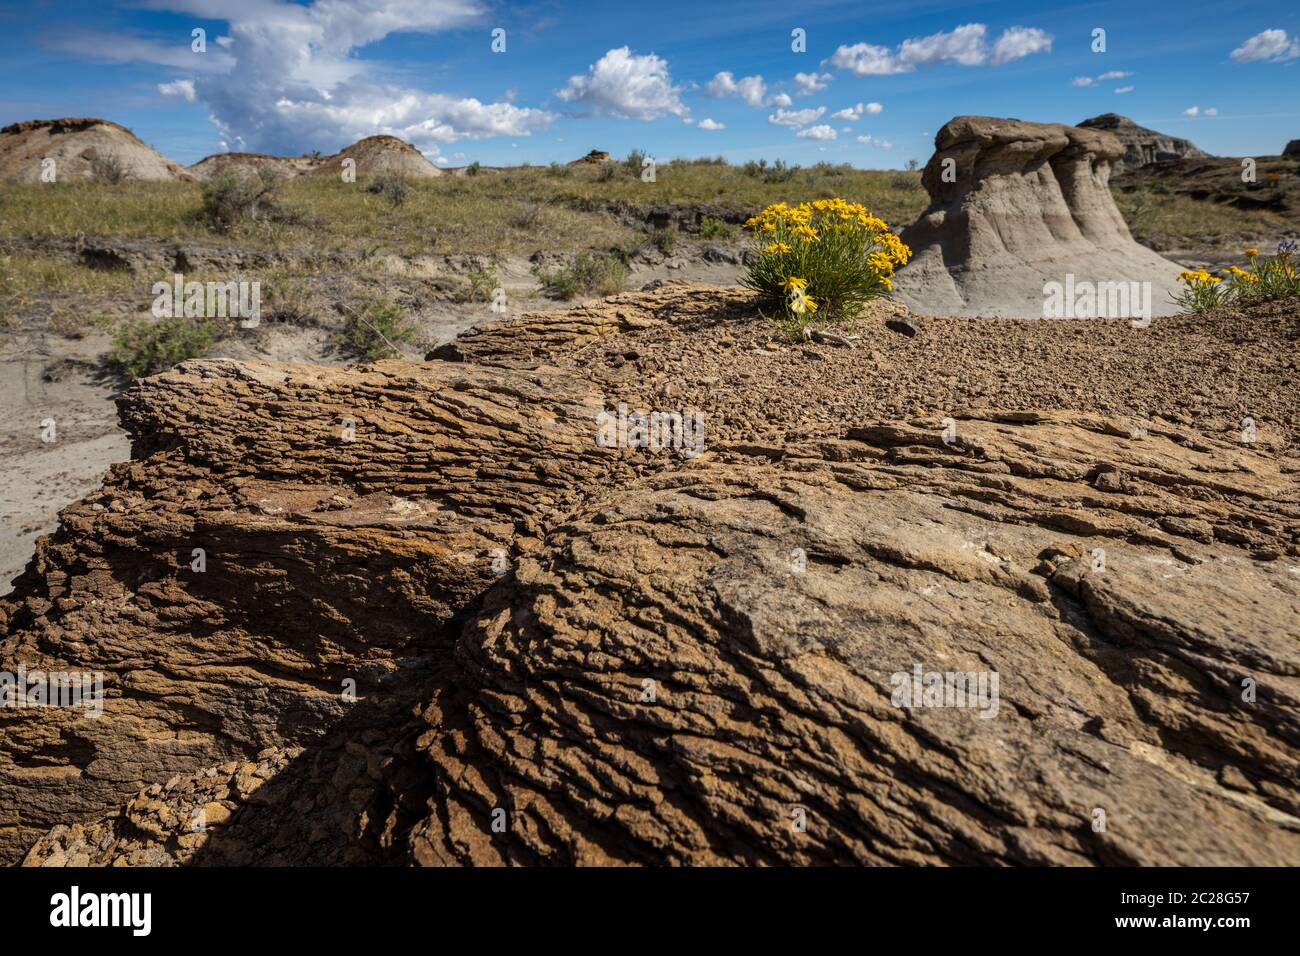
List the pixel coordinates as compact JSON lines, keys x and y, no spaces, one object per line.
{"x":1091,"y":81}
{"x":809,"y":83}
{"x":751,"y":89}
{"x":286,"y":77}
{"x":628,"y":86}
{"x":796,"y":117}
{"x":1198,"y":111}
{"x":878,"y":143}
{"x":710,"y":124}
{"x":966,"y":45}
{"x":1272,"y":45}
{"x":817,"y":132}
{"x":1018,"y":42}
{"x":857,"y":111}
{"x":182,"y":88}
{"x":1125,"y":89}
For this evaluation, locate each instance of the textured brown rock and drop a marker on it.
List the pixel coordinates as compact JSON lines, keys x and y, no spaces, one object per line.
{"x":1014,"y":206}
{"x":1122,"y":576}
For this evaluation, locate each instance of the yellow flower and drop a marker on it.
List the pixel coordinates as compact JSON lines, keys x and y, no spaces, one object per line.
{"x":777,"y":247}
{"x":806,"y":232}
{"x":793,"y":283}
{"x":1251,"y":252}
{"x":801,"y":302}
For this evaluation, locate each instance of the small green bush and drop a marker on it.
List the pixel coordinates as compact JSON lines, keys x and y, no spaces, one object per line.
{"x":481,"y":283}
{"x":143,"y":347}
{"x":711,"y":228}
{"x":391,"y":186}
{"x":635,"y":161}
{"x":590,"y":273}
{"x":665,"y":240}
{"x":377,"y":330}
{"x":107,"y":169}
{"x":777,"y":172}
{"x":229,"y":199}
{"x":473,"y":169}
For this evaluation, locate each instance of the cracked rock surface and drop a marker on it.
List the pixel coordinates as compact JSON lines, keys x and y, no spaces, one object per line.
{"x":459,"y":630}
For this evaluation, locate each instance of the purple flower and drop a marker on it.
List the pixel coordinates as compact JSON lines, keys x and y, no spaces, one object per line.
{"x":1284,"y":247}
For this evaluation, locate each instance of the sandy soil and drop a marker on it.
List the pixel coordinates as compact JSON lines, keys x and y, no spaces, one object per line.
{"x":41,"y":477}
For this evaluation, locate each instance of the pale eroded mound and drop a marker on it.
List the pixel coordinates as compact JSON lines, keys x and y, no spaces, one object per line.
{"x":74,"y":145}
{"x":380,"y":154}
{"x":1015,"y":206}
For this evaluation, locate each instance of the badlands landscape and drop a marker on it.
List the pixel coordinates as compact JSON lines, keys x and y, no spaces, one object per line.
{"x":432,"y":598}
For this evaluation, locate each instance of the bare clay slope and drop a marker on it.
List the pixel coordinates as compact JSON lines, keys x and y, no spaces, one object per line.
{"x":74,"y":144}
{"x":523,"y":695}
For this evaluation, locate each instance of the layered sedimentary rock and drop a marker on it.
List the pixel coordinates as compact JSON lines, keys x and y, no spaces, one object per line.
{"x":566,"y":652}
{"x":1016,"y":207}
{"x":1142,"y":146}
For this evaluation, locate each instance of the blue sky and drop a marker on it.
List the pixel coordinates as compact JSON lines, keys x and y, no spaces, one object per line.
{"x":672,"y":78}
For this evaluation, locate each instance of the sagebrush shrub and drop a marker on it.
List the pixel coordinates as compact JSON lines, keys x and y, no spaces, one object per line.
{"x":377,"y":329}
{"x":589,"y":273}
{"x":228,"y":199}
{"x":389,"y":185}
{"x":142,"y":347}
{"x":107,"y":169}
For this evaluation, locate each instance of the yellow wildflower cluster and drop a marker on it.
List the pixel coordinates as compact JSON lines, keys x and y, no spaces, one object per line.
{"x":1251,"y":252}
{"x":808,"y":221}
{"x":1241,"y":274}
{"x":1198,"y":277}
{"x":832,"y":249}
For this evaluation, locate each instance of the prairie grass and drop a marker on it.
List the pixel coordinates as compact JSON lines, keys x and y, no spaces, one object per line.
{"x":478,"y":214}
{"x":1165,"y":222}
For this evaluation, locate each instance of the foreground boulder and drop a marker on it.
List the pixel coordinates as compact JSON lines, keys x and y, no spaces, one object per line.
{"x":1016,"y":207}
{"x":567,"y":651}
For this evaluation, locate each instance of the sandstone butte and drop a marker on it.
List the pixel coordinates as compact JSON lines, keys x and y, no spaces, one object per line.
{"x":628,"y":656}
